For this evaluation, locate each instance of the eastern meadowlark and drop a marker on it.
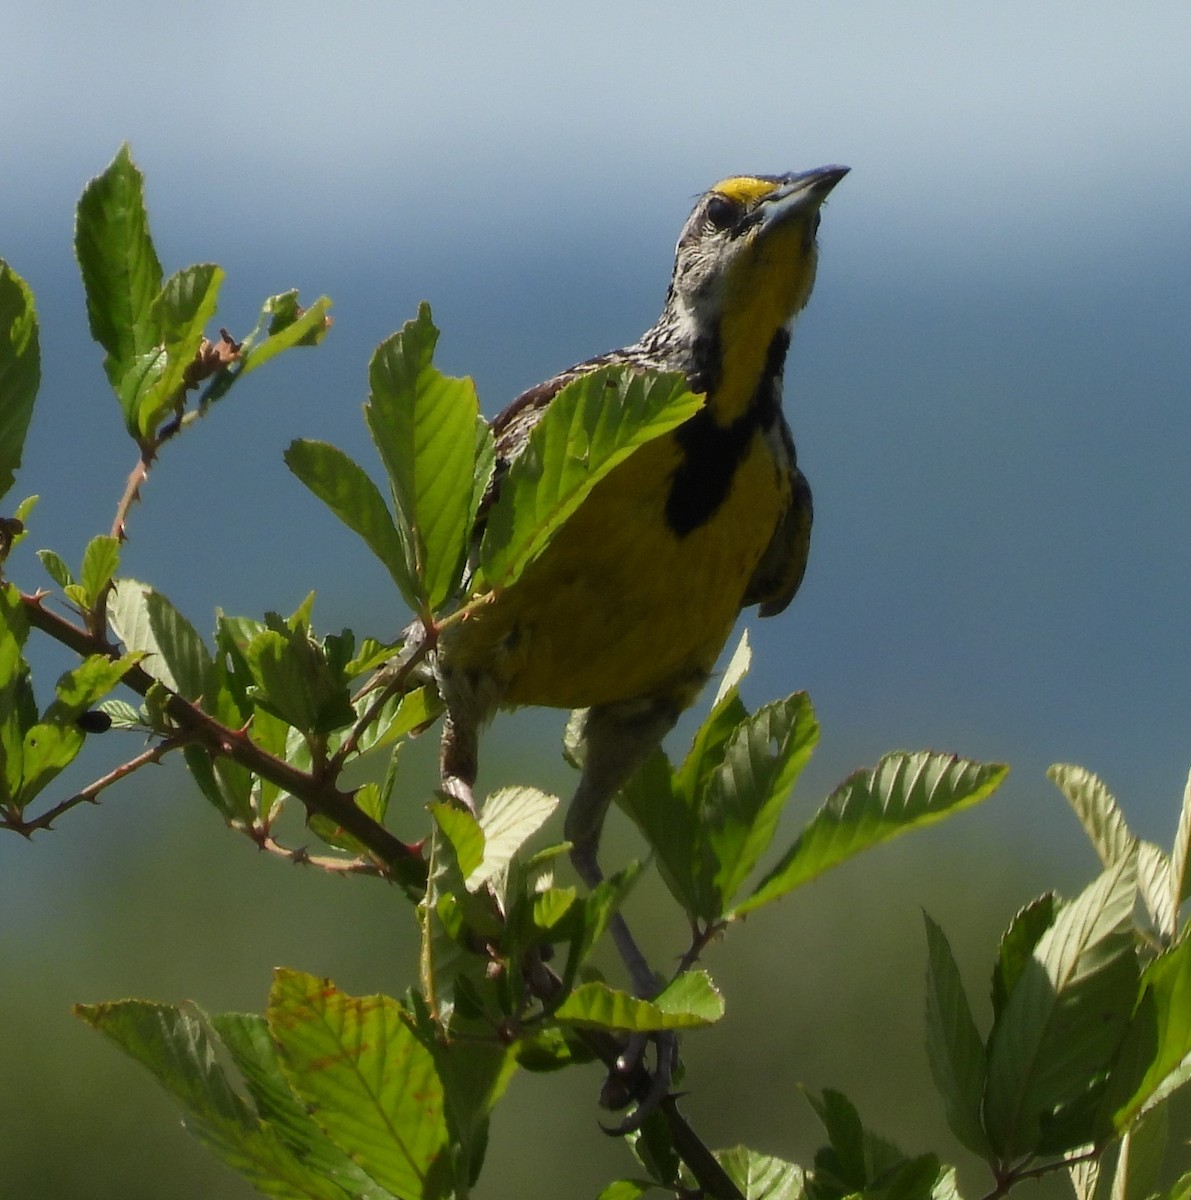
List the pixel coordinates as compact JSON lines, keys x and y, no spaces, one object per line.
{"x":626,"y":611}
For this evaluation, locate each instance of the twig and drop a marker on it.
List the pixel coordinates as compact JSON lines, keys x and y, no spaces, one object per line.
{"x":1013,"y":1177}
{"x":350,"y":744}
{"x":322,"y":795}
{"x":300,"y":856}
{"x":90,"y":794}
{"x":711,"y":1177}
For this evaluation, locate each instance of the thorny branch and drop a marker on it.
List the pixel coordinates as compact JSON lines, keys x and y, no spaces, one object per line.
{"x":90,"y":794}
{"x":320,"y":793}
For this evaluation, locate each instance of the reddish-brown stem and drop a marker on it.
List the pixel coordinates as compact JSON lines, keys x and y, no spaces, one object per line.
{"x":300,"y":856}
{"x":1011,"y":1177}
{"x":319,"y":795}
{"x":90,"y":794}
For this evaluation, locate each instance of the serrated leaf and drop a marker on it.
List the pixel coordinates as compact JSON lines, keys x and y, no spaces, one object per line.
{"x":745,"y":794}
{"x":597,"y":1006}
{"x":1064,"y":1019}
{"x":1097,"y":810}
{"x":367,"y":1080}
{"x":288,"y":325}
{"x":1180,"y":858}
{"x":20,"y":370}
{"x":856,"y":1157}
{"x":463,"y":831}
{"x":586,"y":922}
{"x":424,"y":426}
{"x":1153,"y":882}
{"x":18,"y":706}
{"x":246,"y":1038}
{"x":56,"y":568}
{"x":121,"y":272}
{"x":1017,"y":945}
{"x":346,"y":489}
{"x":48,"y":749}
{"x":1140,"y":1157}
{"x":123,"y":715}
{"x":591,"y":426}
{"x":294,"y":680}
{"x":904,"y":791}
{"x":100,"y":562}
{"x":762,"y":1176}
{"x":954,"y":1046}
{"x":181,"y":1052}
{"x":1157,"y":1048}
{"x":509,"y":818}
{"x":180,"y":314}
{"x":173,"y":652}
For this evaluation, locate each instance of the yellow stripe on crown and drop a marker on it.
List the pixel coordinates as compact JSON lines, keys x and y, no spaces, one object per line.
{"x":745,"y":188}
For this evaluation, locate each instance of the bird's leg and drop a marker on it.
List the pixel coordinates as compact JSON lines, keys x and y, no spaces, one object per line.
{"x":617,"y":739}
{"x":458,"y":760}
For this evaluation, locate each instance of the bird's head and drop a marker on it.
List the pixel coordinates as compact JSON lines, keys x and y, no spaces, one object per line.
{"x":747,"y":252}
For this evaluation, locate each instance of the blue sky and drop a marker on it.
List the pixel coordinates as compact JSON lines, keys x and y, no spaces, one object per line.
{"x":989,"y":388}
{"x":990,"y":391}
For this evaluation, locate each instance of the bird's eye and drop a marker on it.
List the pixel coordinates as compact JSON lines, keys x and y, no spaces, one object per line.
{"x":721,"y":212}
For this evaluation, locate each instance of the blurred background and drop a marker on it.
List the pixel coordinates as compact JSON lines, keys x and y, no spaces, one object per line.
{"x":989,"y":391}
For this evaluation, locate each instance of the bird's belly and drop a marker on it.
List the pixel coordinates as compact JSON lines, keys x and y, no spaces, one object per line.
{"x":618,"y":606}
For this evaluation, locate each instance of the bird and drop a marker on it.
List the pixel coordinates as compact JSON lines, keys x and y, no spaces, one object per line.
{"x":624,"y":614}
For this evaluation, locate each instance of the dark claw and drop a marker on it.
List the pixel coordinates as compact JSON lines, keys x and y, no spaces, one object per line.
{"x":631,"y":1081}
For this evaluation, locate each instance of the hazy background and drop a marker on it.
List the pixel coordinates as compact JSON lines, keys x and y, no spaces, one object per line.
{"x":990,"y":395}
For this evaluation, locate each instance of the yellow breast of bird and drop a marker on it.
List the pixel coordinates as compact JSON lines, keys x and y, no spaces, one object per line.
{"x":619,"y":606}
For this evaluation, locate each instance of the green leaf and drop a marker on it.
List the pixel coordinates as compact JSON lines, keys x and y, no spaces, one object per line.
{"x":694,"y":1004}
{"x":1017,"y":946}
{"x":121,"y":272}
{"x":856,"y":1158}
{"x":20,"y":370}
{"x":745,"y":794}
{"x":509,"y":818}
{"x":1153,"y":882}
{"x":56,"y":568}
{"x":594,"y":423}
{"x":54,"y":742}
{"x":295,"y":681}
{"x":289,"y":325}
{"x":463,"y":831}
{"x":145,"y":621}
{"x":18,"y":706}
{"x":1180,"y":859}
{"x":367,"y":1080}
{"x":100,"y":562}
{"x":1097,"y":810}
{"x":424,"y":426}
{"x":762,"y":1176}
{"x":1154,"y":1058}
{"x":586,"y":922}
{"x":953,"y":1044}
{"x":246,"y":1038}
{"x":48,"y":749}
{"x":1141,"y":1154}
{"x":180,"y":1050}
{"x":627,"y":1189}
{"x":180,"y":313}
{"x":1181,"y":1189}
{"x":350,"y":494}
{"x":1060,"y":1029}
{"x":904,"y":791}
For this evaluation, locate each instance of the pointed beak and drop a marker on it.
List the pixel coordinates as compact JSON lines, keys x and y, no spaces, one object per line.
{"x":799,"y":195}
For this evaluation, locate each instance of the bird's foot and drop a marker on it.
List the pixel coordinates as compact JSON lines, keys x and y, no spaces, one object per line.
{"x":631,"y":1081}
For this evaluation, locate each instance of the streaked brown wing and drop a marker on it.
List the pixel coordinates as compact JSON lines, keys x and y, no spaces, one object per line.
{"x":779,"y":573}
